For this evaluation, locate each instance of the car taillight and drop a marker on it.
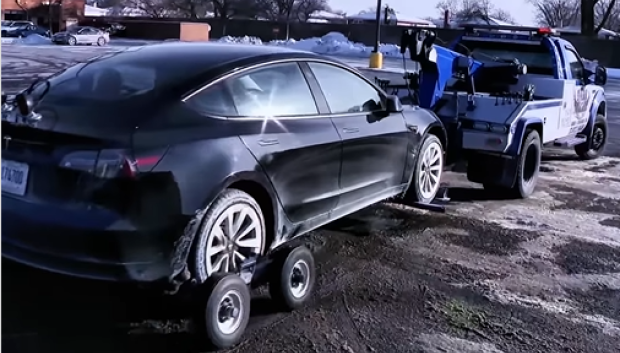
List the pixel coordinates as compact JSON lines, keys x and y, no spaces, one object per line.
{"x":108,"y":164}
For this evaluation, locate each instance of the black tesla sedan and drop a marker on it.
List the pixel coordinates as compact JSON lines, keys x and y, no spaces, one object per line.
{"x":174,"y":161}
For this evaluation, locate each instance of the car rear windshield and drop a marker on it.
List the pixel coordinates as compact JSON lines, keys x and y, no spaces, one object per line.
{"x":535,"y":56}
{"x":108,"y":81}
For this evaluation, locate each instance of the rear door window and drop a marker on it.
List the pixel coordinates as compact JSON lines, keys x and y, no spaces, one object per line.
{"x":278,"y":90}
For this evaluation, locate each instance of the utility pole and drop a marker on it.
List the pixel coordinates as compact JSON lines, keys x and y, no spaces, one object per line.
{"x":587,"y":17}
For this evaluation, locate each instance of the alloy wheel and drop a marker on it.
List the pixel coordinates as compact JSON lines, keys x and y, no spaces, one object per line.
{"x":236,"y":235}
{"x":431,"y":167}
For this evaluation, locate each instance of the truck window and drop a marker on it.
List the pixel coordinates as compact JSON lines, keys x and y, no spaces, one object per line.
{"x":536,"y":56}
{"x":575,"y":64}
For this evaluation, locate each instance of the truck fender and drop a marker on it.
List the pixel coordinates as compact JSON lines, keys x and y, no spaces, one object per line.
{"x":598,"y":102}
{"x":518,"y":133}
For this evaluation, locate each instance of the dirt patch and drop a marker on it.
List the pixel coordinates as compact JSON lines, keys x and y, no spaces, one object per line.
{"x":581,"y":200}
{"x":603,"y":168}
{"x":611,"y":222}
{"x":580,"y":257}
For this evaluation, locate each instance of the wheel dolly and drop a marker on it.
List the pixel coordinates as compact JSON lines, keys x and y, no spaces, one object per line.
{"x":223,"y":301}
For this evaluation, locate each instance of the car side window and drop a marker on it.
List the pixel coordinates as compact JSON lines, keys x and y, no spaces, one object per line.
{"x":214,"y":100}
{"x":344,"y":91}
{"x":275,"y":90}
{"x":575,"y":64}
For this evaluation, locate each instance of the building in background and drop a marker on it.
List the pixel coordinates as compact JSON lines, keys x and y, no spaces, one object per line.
{"x":53,"y":14}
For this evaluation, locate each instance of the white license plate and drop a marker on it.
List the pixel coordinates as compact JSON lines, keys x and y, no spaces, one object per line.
{"x":14,"y":177}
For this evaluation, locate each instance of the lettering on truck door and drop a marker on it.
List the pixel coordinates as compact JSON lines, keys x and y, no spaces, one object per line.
{"x":581,"y":98}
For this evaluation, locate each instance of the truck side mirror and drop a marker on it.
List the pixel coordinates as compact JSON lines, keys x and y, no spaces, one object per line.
{"x":600,"y":76}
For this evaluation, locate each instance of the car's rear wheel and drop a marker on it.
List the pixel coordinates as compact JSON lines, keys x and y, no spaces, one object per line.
{"x":101,"y":41}
{"x":232,"y":230}
{"x":426,"y":177}
{"x":72,"y":41}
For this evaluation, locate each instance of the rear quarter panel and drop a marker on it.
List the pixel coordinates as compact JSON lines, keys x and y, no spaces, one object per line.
{"x":203,"y":156}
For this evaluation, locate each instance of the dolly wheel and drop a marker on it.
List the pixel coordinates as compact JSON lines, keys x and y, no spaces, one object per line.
{"x":223,"y":310}
{"x":291,"y":287}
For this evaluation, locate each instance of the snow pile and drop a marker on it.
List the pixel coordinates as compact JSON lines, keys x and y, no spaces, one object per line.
{"x":241,"y":40}
{"x":36,"y":39}
{"x":333,"y":43}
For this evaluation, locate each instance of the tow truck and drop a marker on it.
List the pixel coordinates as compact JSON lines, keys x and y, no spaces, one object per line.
{"x":505,"y":92}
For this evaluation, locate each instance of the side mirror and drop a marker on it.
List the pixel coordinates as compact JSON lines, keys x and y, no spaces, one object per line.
{"x":393,"y":104}
{"x":600,"y":76}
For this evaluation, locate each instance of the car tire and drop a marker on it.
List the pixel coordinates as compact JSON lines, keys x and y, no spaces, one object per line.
{"x":595,"y":145}
{"x":72,"y":41}
{"x":213,"y":243}
{"x":528,"y":170}
{"x":426,"y":178}
{"x":101,"y":41}
{"x":293,"y":278}
{"x":223,"y":311}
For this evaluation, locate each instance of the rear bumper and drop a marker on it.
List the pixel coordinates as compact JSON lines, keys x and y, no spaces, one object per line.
{"x":85,"y":243}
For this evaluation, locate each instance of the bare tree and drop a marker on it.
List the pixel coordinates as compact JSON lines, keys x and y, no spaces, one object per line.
{"x":606,"y":14}
{"x":151,"y":8}
{"x":227,"y":9}
{"x":305,"y":8}
{"x":557,"y":13}
{"x":561,"y":13}
{"x":468,"y":10}
{"x":190,"y":8}
{"x":19,"y":3}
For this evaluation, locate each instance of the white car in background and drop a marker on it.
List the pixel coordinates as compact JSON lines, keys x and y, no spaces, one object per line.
{"x":81,"y":35}
{"x":8,"y":26}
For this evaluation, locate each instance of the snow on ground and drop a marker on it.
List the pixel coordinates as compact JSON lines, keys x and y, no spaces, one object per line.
{"x":333,"y":43}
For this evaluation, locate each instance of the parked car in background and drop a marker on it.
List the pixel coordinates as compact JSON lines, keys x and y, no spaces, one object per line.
{"x":27,"y":30}
{"x":8,"y":26}
{"x":81,"y":35}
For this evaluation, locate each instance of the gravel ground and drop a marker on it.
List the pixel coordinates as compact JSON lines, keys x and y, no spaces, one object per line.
{"x":539,"y":275}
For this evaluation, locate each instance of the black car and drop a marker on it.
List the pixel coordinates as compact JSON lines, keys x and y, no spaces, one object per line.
{"x":178,"y":160}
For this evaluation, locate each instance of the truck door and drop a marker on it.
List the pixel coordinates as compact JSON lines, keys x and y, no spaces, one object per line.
{"x":581,"y":92}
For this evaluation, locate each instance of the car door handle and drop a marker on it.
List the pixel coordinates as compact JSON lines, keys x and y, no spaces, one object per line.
{"x":268,"y":142}
{"x":350,"y":130}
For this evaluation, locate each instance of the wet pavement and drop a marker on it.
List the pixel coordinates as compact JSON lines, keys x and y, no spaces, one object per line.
{"x":490,"y":275}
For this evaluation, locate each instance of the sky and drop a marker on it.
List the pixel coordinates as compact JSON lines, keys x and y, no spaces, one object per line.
{"x":521,"y":11}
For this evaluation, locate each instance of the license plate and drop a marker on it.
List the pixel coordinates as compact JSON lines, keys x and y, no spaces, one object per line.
{"x":14,"y":177}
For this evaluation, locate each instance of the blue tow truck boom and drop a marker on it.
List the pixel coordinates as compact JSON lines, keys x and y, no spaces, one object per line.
{"x":505,"y":92}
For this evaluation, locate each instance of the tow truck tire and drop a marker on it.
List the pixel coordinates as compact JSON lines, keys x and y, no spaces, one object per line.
{"x":528,"y":169}
{"x":293,"y":279}
{"x":595,"y":146}
{"x":222,"y":312}
{"x":415,"y":192}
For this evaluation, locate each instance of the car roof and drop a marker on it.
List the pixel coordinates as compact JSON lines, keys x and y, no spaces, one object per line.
{"x":209,"y":55}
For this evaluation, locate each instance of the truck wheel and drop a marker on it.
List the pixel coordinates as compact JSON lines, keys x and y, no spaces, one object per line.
{"x":426,"y":177}
{"x":528,"y":169}
{"x":595,"y":146}
{"x":223,"y":310}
